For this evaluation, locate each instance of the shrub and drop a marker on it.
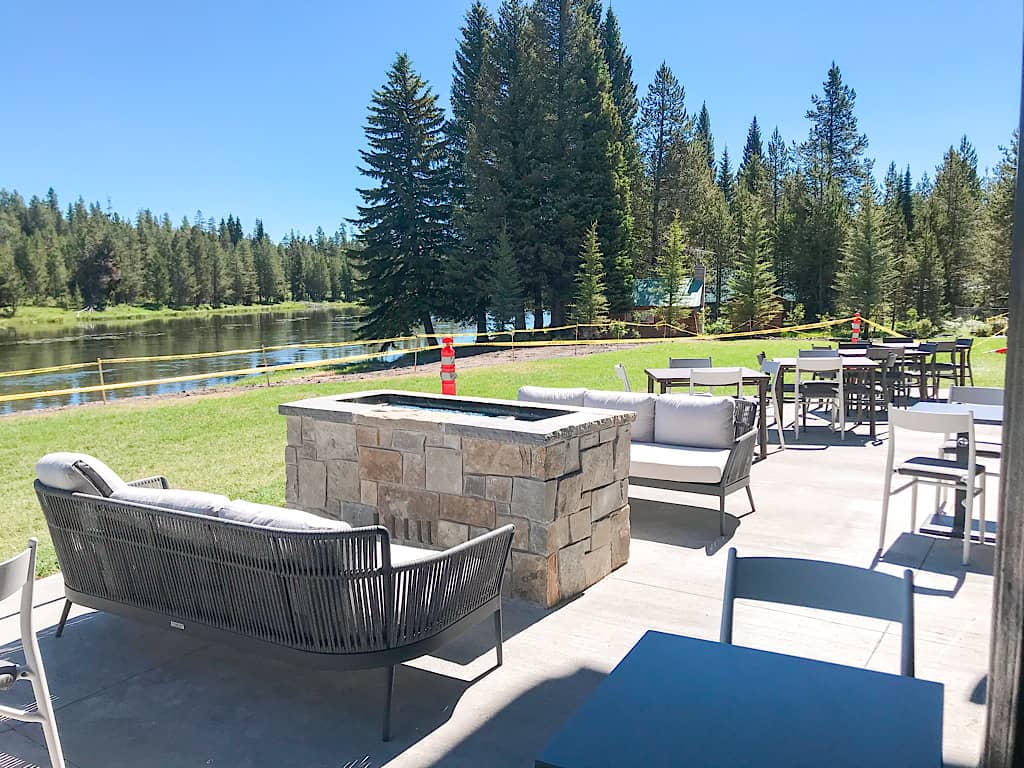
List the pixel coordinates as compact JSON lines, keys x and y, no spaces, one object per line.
{"x":715,"y":327}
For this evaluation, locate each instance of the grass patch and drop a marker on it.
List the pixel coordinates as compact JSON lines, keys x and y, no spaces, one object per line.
{"x":234,"y":444}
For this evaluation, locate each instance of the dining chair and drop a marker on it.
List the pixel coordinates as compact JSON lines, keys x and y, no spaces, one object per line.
{"x":934,"y":471}
{"x":826,"y":384}
{"x":689,"y":362}
{"x":823,"y":586}
{"x":968,"y":369}
{"x":945,"y":364}
{"x":716,"y":377}
{"x":773,"y":369}
{"x":854,"y":344}
{"x":620,"y":371}
{"x":987,"y":449}
{"x":16,"y":574}
{"x":919,"y":366}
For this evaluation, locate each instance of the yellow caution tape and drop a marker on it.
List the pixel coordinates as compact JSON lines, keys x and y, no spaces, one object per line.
{"x":48,"y":369}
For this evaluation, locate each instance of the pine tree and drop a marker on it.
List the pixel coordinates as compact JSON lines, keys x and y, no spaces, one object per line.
{"x":997,"y":240}
{"x":663,"y":121}
{"x":751,"y":170}
{"x":703,"y":134}
{"x":98,"y":273}
{"x":268,"y":268}
{"x":405,"y":220}
{"x":590,"y":304}
{"x":673,"y":269}
{"x":10,"y":282}
{"x":506,"y":288}
{"x":753,"y":302}
{"x":956,"y":199}
{"x":726,"y":181}
{"x":896,"y":238}
{"x":863,"y":275}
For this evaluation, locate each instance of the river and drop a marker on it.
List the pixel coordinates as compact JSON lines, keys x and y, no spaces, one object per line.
{"x":43,"y":347}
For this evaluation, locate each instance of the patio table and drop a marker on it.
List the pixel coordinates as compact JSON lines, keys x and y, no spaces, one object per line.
{"x":989,"y":415}
{"x":665,"y":378}
{"x":857,"y":364}
{"x":679,"y":701}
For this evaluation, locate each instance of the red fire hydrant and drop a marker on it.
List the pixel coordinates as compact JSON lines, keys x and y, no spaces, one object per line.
{"x":447,"y":367}
{"x":856,"y":326}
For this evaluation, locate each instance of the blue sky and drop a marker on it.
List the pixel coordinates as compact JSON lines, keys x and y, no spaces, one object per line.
{"x":257,"y":109}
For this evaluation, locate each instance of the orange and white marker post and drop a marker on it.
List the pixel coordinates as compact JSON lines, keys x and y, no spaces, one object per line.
{"x":447,"y":367}
{"x":856,"y":326}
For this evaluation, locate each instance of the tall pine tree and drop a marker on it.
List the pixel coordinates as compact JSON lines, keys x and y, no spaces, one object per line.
{"x":863,"y":275}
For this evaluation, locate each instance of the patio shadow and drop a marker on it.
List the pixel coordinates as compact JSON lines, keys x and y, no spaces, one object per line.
{"x":682,"y":525}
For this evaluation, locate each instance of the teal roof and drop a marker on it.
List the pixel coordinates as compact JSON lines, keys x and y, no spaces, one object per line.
{"x":649,"y":292}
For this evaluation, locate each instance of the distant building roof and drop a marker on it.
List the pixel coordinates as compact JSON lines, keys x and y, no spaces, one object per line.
{"x":650,"y":292}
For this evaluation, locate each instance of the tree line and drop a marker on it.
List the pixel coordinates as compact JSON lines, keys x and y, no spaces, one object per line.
{"x":552,"y":184}
{"x":85,"y":256}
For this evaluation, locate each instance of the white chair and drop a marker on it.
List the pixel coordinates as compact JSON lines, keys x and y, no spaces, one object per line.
{"x":716,"y":377}
{"x":987,"y":449}
{"x":819,"y":388}
{"x":773,"y":369}
{"x":19,"y":573}
{"x":933,"y":471}
{"x":620,"y":371}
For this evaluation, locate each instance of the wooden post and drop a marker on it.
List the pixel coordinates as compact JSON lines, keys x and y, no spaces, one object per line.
{"x":99,"y":367}
{"x":513,"y":332}
{"x":263,"y":351}
{"x":576,"y":346}
{"x":415,"y":355}
{"x":1004,"y":739}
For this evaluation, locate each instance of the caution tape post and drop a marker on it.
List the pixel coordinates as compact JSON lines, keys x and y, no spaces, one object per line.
{"x":447,"y":367}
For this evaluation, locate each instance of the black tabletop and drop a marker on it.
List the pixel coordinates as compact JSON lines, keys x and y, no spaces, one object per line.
{"x":678,"y":701}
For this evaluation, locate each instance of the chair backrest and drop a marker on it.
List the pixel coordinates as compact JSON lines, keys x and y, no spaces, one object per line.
{"x":18,"y":572}
{"x":716,"y":377}
{"x":882,"y":354}
{"x":620,"y":371}
{"x":825,"y":586}
{"x":965,"y":343}
{"x":771,"y":367}
{"x":933,"y":423}
{"x":821,"y":346}
{"x":818,"y":352}
{"x":819,"y":364}
{"x":689,"y":362}
{"x":976,"y":395}
{"x":761,"y":357}
{"x":854,"y":345}
{"x":896,"y":340}
{"x":944,"y":346}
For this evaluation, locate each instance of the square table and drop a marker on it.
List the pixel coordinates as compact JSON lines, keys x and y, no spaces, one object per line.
{"x":678,"y":701}
{"x":857,"y":363}
{"x":665,"y":378}
{"x":990,"y":415}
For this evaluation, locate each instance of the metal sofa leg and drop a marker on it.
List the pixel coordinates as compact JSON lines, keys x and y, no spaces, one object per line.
{"x":721,"y":520}
{"x":63,"y":618}
{"x":386,"y":736}
{"x":497,"y":636}
{"x":751,"y":497}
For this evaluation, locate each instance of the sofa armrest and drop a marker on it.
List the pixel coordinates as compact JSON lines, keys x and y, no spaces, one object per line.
{"x":740,"y":458}
{"x":433,"y":594}
{"x":156,"y":481}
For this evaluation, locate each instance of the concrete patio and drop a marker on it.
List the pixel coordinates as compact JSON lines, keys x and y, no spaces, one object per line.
{"x":130,"y":695}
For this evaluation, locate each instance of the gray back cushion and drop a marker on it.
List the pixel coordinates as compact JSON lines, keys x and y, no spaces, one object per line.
{"x":552,"y":395}
{"x":77,"y":473}
{"x":196,"y":502}
{"x":278,"y":517}
{"x":700,"y":422}
{"x":640,"y":403}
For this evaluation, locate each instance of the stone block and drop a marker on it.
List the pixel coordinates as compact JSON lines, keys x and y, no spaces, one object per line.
{"x":368,"y":493}
{"x":306,"y":429}
{"x":451,"y":534}
{"x":366,"y":435}
{"x":597,"y":466}
{"x":294,"y":430}
{"x":414,"y":472}
{"x":380,"y":465}
{"x":601,"y":535}
{"x":444,"y":470}
{"x":291,"y":454}
{"x":474,"y":485}
{"x":384,"y":437}
{"x":535,"y":578}
{"x":502,"y":508}
{"x":405,"y":440}
{"x":343,"y":481}
{"x":572,"y":578}
{"x":306,"y":451}
{"x":312,"y":488}
{"x":291,"y":484}
{"x":579,"y":526}
{"x":410,"y":503}
{"x":534,"y":499}
{"x":476,"y":530}
{"x":465,"y":509}
{"x":589,"y":440}
{"x":568,"y":495}
{"x":545,"y":539}
{"x":498,"y":488}
{"x":608,"y":434}
{"x":491,"y":457}
{"x":621,"y":457}
{"x":548,"y":461}
{"x":606,"y":500}
{"x":572,"y":455}
{"x":452,"y":441}
{"x":359,"y":515}
{"x":334,"y":440}
{"x":620,"y":537}
{"x":521,"y":538}
{"x":597,"y":563}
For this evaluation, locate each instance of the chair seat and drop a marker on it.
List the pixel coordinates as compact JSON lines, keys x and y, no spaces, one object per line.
{"x":819,"y":388}
{"x":937,"y":469}
{"x":677,"y":463}
{"x":8,"y":674}
{"x":985,"y":448}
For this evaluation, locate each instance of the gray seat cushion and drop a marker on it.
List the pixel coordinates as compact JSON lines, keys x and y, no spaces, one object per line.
{"x":552,"y":395}
{"x":699,"y":422}
{"x":984,"y":448}
{"x":936,"y":469}
{"x":179,"y":499}
{"x":402,"y":554}
{"x":639,"y":403}
{"x":677,"y":463}
{"x":77,"y":473}
{"x":270,"y":516}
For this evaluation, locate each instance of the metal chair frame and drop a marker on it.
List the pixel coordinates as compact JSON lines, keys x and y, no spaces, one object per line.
{"x":817,"y":365}
{"x":620,"y":371}
{"x":716,"y":377}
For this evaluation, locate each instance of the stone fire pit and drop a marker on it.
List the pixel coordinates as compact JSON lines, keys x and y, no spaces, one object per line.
{"x":437,"y":470}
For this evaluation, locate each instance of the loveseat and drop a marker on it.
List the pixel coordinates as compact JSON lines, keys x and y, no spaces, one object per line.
{"x":692,"y":443}
{"x":273,"y":581}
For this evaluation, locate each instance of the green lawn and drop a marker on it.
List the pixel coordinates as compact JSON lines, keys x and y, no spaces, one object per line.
{"x":234,"y":444}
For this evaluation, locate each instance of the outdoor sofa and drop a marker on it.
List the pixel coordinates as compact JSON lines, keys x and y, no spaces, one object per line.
{"x":692,"y":443}
{"x":277,"y":582}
